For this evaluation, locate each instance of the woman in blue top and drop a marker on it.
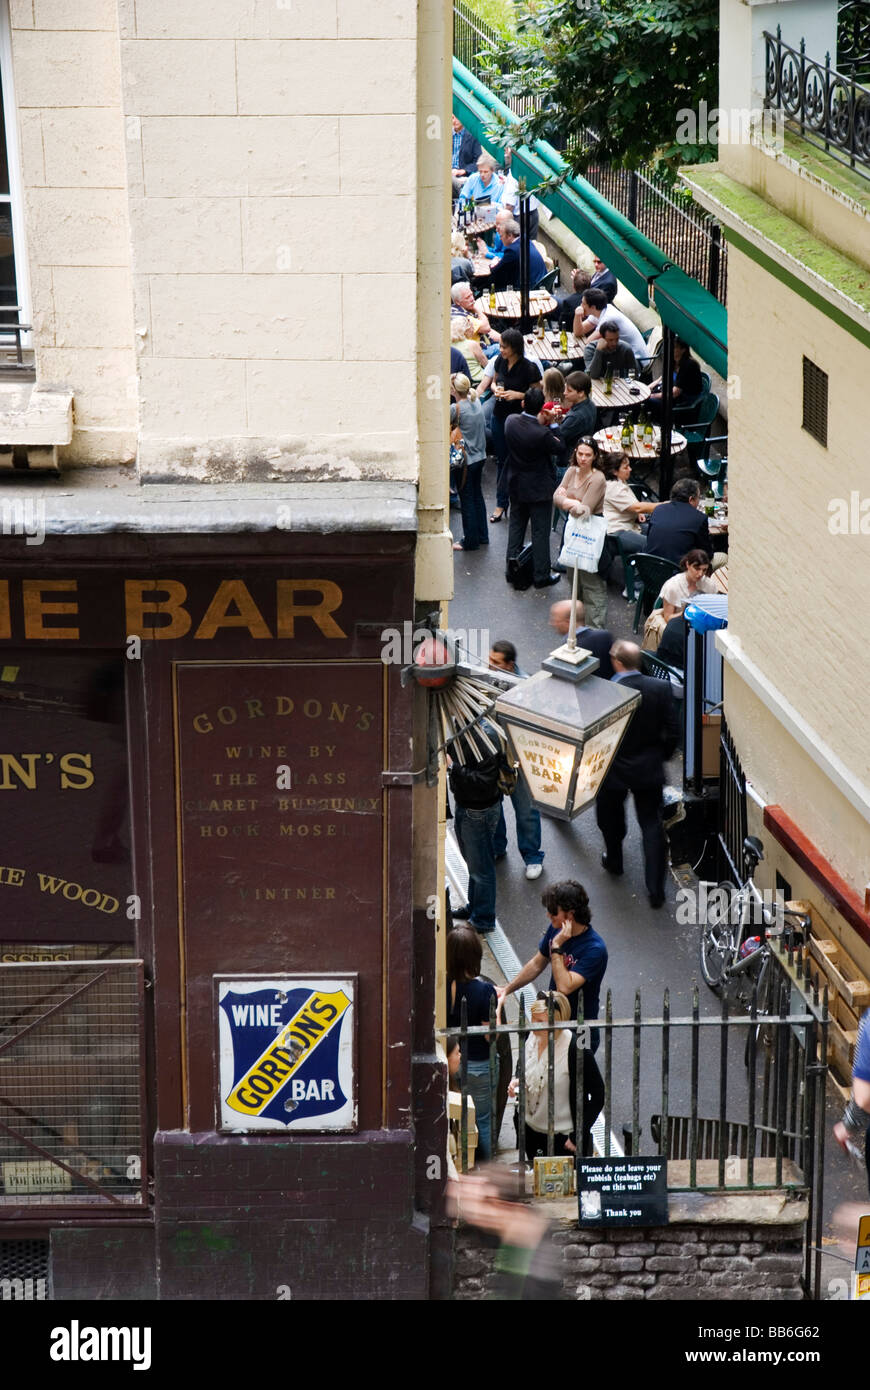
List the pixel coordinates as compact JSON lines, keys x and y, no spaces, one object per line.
{"x":464,"y":955}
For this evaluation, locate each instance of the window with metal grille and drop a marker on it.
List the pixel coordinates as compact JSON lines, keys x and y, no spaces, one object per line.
{"x":23,"y":1270}
{"x":815,"y":420}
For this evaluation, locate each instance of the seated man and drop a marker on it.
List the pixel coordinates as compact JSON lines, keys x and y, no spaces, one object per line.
{"x":571,"y":303}
{"x":582,"y":417}
{"x":506,"y":270}
{"x":629,"y":333}
{"x":485,"y":185}
{"x":462,"y":306}
{"x":603,"y":279}
{"x":611,"y":355}
{"x":466,"y":152}
{"x":492,"y":253}
{"x":678,"y":526}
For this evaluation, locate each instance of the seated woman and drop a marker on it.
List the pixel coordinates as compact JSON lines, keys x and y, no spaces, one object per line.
{"x":623,"y":511}
{"x":463,"y":337}
{"x":677,"y":593}
{"x":564,"y":1084}
{"x":688,"y":385}
{"x":464,"y":956}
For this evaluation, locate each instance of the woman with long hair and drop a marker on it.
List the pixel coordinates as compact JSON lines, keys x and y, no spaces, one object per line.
{"x":581,"y":494}
{"x":511,"y":374}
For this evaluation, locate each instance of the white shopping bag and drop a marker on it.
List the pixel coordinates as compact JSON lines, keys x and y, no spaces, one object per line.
{"x":583,"y":542}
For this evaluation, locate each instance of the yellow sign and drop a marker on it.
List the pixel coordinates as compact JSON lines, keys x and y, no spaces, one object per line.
{"x":294,"y":1044}
{"x":864,"y":1230}
{"x":862,"y":1286}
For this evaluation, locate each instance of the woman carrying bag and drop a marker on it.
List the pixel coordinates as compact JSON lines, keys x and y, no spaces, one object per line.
{"x":581,"y":495}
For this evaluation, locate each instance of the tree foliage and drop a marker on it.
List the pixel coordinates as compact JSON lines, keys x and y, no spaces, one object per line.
{"x":611,"y":77}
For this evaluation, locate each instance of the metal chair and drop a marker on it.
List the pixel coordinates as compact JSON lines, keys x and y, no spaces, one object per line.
{"x":716,"y":467}
{"x":651,"y":665}
{"x":549,"y":282}
{"x":698,"y":428}
{"x":652,"y":571}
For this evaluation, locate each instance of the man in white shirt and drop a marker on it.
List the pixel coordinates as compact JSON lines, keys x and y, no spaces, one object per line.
{"x":595,"y":306}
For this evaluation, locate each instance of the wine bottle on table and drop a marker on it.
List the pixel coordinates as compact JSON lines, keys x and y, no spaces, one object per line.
{"x":608,"y":382}
{"x":563,"y":343}
{"x":648,"y":434}
{"x":627,"y":437}
{"x":491,"y":298}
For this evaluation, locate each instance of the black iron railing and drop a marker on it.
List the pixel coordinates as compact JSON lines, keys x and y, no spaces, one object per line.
{"x":759,"y":1073}
{"x":828,"y":109}
{"x":687,"y":235}
{"x":853,"y":40}
{"x":733,"y":827}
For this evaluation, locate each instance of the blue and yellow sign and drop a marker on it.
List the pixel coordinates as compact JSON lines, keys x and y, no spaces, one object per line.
{"x":286,"y":1053}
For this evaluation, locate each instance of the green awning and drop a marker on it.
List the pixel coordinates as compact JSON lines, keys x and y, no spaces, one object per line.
{"x":683,"y":304}
{"x":694,"y":315}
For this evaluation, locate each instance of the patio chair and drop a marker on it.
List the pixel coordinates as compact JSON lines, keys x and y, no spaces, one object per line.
{"x":549,"y":281}
{"x":714,"y":466}
{"x":652,"y":571}
{"x":697,"y":428}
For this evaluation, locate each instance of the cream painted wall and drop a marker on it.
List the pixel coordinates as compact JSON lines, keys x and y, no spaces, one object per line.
{"x":272,"y":172}
{"x":234,"y":209}
{"x":66,"y":79}
{"x":785,"y":776}
{"x":799,"y":595}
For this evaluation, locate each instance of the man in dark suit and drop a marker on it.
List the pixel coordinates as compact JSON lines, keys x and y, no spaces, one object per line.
{"x":531,"y":481}
{"x":466,"y":152}
{"x":638,"y":767}
{"x":597,"y":640}
{"x":603,"y":279}
{"x":506,"y":270}
{"x":679,"y":526}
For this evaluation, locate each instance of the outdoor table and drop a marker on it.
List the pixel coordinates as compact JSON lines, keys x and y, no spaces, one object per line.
{"x":720,"y":578}
{"x":626,"y":393}
{"x":549,"y":349}
{"x":482,"y":267}
{"x":477,"y":227}
{"x":507,"y":304}
{"x":717,"y":524}
{"x":638,"y":449}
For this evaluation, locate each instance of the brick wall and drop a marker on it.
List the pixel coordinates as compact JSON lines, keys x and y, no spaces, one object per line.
{"x":687,"y":1260}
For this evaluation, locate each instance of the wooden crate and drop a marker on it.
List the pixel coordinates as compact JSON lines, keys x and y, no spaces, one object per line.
{"x":848,"y":996}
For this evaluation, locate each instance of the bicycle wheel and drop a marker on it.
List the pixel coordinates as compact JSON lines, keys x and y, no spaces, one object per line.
{"x":718,"y":935}
{"x":716,"y":949}
{"x":764,"y":1032}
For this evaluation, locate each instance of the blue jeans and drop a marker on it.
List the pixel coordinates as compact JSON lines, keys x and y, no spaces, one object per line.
{"x":475,"y":831}
{"x":480,"y":1089}
{"x":528,"y":826}
{"x":474,"y":528}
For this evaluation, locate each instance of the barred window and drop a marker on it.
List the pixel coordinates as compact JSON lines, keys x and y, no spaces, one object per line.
{"x":815,"y":420}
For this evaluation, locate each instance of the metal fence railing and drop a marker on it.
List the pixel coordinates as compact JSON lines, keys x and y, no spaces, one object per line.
{"x":733,"y":1102}
{"x":829,"y":109}
{"x":733,"y":827}
{"x":687,"y":235}
{"x":853,"y":40}
{"x":72,"y":1106}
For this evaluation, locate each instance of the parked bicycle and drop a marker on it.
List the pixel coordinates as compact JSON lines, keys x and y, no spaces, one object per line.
{"x":735,"y":960}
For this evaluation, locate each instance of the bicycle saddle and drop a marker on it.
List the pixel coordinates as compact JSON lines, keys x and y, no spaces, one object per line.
{"x":753,"y":848}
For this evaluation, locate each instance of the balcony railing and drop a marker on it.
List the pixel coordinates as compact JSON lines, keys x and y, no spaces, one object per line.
{"x":828,"y":109}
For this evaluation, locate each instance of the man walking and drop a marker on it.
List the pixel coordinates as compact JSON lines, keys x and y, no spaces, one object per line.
{"x":477,"y":807}
{"x":638,"y":767}
{"x":531,"y":480}
{"x":503,"y":657}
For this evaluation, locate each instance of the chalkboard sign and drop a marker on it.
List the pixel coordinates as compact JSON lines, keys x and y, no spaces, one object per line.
{"x":622,"y":1191}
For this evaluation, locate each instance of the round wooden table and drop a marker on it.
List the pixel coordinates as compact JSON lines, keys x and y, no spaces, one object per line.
{"x":638,"y":449}
{"x":626,"y":393}
{"x":549,"y":348}
{"x":507,"y":304}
